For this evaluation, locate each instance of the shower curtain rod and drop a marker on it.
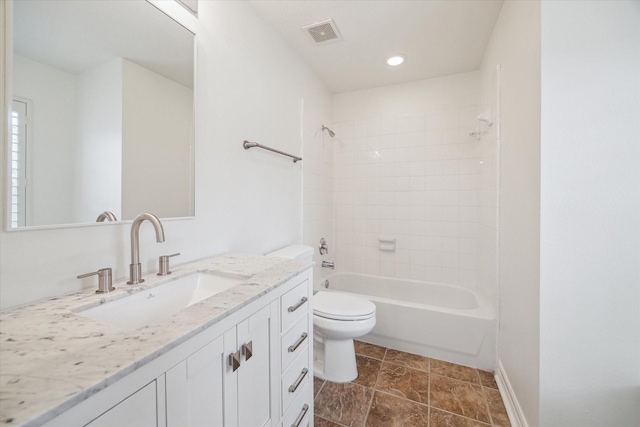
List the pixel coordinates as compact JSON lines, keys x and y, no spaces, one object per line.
{"x":248,"y":144}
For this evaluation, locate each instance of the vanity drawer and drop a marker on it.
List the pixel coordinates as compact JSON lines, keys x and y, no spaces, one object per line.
{"x":294,"y":305}
{"x":301,"y":411}
{"x":294,"y":342}
{"x":294,"y":381}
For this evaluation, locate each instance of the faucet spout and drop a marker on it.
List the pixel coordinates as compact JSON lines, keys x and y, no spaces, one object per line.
{"x":327,"y":264}
{"x":106,"y":215}
{"x":135,"y":268}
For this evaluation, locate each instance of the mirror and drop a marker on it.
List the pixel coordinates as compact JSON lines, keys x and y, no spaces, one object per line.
{"x":102,"y":113}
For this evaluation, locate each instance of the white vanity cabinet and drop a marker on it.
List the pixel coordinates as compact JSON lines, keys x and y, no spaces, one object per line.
{"x":138,"y":410}
{"x":227,"y":382}
{"x":236,"y":373}
{"x":296,"y":350}
{"x":254,"y":385}
{"x":195,"y":388}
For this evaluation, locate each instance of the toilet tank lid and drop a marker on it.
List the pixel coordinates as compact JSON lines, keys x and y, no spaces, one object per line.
{"x":293,"y":252}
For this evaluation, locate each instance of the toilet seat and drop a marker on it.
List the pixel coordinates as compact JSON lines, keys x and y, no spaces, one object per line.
{"x":337,"y":306}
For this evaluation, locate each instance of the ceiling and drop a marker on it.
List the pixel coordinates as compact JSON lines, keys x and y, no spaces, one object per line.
{"x":437,"y":37}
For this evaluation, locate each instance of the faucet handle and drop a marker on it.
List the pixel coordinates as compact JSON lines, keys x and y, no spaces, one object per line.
{"x":163,"y":260}
{"x":104,"y":280}
{"x":323,"y":248}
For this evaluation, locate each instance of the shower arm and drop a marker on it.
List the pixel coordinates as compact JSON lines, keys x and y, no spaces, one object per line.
{"x":331,"y":133}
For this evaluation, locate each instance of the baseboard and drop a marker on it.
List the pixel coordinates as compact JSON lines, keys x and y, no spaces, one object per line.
{"x":516,"y":416}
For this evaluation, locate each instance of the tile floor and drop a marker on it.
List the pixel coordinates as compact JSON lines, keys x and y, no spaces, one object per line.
{"x":396,"y":389}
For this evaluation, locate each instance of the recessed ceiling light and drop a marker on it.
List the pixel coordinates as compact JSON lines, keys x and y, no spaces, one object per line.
{"x":394,"y":61}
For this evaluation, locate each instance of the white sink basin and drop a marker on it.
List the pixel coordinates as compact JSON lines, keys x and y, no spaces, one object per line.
{"x":153,"y":304}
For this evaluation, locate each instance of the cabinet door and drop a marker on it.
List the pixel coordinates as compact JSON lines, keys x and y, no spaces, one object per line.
{"x":195,"y":388}
{"x":138,"y":410}
{"x":254,"y":374}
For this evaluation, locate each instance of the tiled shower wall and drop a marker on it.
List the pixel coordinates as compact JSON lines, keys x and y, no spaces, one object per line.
{"x":413,"y":178}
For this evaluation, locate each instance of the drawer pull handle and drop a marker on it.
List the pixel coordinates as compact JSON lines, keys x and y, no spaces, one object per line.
{"x":234,"y":360}
{"x":247,"y":350}
{"x":293,"y":387}
{"x":298,"y":305}
{"x":297,"y":344}
{"x":298,"y":420}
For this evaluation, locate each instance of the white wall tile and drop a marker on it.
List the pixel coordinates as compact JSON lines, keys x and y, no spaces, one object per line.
{"x":433,"y":243}
{"x":418,"y":272}
{"x":402,"y":270}
{"x":360,"y":129}
{"x":434,"y":258}
{"x":450,"y":120}
{"x":434,"y":213}
{"x":401,"y":169}
{"x":402,"y":198}
{"x":402,"y":124}
{"x":418,"y":178}
{"x":387,"y":125}
{"x":433,"y":152}
{"x":403,"y":212}
{"x":432,"y":121}
{"x":451,"y":276}
{"x":433,"y":137}
{"x":373,"y":126}
{"x":450,"y":136}
{"x":417,"y":139}
{"x":434,"y":274}
{"x":468,"y":261}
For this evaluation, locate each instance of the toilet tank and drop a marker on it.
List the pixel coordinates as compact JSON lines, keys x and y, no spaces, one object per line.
{"x":294,"y":252}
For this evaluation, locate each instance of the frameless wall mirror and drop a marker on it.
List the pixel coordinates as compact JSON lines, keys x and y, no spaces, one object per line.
{"x":102,"y":113}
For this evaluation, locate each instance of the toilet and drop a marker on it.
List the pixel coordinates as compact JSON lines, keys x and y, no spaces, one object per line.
{"x":337,"y":319}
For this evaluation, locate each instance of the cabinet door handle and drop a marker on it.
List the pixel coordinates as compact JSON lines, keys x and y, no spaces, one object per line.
{"x":293,"y":387}
{"x":298,"y":420}
{"x":234,"y":360}
{"x":247,"y":350}
{"x":297,"y":344}
{"x":298,"y":305}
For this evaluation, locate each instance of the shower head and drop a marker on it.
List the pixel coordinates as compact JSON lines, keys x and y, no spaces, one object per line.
{"x":331,"y":133}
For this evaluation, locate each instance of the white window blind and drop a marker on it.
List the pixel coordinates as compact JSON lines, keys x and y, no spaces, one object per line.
{"x":18,"y":151}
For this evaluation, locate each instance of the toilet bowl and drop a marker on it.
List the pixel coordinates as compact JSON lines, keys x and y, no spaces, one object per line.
{"x":337,"y":319}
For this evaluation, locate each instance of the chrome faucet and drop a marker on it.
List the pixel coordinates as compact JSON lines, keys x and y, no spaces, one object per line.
{"x":106,"y":215}
{"x":327,"y":264}
{"x":135,"y":268}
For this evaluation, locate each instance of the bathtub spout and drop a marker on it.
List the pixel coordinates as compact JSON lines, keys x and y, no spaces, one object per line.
{"x":327,"y":264}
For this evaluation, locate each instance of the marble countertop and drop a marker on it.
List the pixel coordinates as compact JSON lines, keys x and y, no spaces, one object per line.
{"x":51,"y":359}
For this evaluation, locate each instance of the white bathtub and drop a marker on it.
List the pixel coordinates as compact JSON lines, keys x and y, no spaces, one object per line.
{"x":432,"y":319}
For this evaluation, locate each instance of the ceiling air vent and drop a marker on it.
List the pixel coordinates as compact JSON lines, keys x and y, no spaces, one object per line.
{"x":323,"y":32}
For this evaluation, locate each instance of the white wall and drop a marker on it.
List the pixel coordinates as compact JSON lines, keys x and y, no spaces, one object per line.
{"x":515,"y":45}
{"x":424,"y":96}
{"x":405,"y":167}
{"x":157,"y":132}
{"x":50,"y":178}
{"x":255,"y":90}
{"x":249,"y":86}
{"x":98,"y":153}
{"x":590,"y":217}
